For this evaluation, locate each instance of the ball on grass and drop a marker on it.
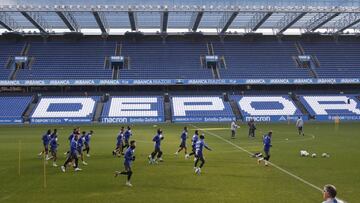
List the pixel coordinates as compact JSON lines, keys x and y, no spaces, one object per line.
{"x":313,"y":155}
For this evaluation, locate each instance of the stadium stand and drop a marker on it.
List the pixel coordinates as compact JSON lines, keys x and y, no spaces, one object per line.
{"x":13,"y":108}
{"x":337,"y":59}
{"x":328,"y":107}
{"x":170,"y":60}
{"x":267,"y":108}
{"x":268,"y":59}
{"x":8,"y":49}
{"x":64,"y":110}
{"x":133,"y":109}
{"x":200,"y":109}
{"x":69,"y":60}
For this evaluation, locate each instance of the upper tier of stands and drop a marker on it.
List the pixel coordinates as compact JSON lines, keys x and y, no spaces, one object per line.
{"x":69,"y":60}
{"x":337,"y":59}
{"x":179,"y":59}
{"x":8,"y":49}
{"x":259,"y":60}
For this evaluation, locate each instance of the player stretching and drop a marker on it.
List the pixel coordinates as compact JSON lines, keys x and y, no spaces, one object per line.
{"x":128,"y":159}
{"x":73,"y":155}
{"x":127,"y":136}
{"x":194,"y":139}
{"x":157,"y":151}
{"x":53,"y":148}
{"x":300,"y":125}
{"x":267,"y":145}
{"x":80,"y":144}
{"x":119,"y":143}
{"x":45,"y":139}
{"x":87,"y":139}
{"x":200,"y":144}
{"x":184,"y":136}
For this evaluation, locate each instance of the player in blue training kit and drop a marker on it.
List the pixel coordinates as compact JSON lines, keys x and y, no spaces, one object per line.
{"x":157,"y":151}
{"x":183,"y":137}
{"x":267,"y":146}
{"x":45,"y":140}
{"x":73,"y":154}
{"x":80,"y":144}
{"x":71,"y":137}
{"x":53,"y":148}
{"x":128,"y":159}
{"x":87,"y":139}
{"x":200,"y":145}
{"x":194,"y":139}
{"x":119,"y":143}
{"x":127,"y":136}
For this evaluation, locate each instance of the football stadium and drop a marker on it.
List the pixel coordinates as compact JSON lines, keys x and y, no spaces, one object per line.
{"x":179,"y":101}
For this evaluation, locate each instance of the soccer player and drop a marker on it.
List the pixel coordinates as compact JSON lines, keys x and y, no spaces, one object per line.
{"x":127,"y":136}
{"x":267,"y":145}
{"x":73,"y":155}
{"x":233,"y":129}
{"x":329,"y":194}
{"x":183,"y":137}
{"x":128,"y":159}
{"x":87,"y":139}
{"x":200,"y":144}
{"x":45,"y":139}
{"x":157,"y":151}
{"x":194,"y":139}
{"x":300,"y":125}
{"x":80,"y":144}
{"x":53,"y":149}
{"x":119,"y":143}
{"x":71,"y":137}
{"x":252,"y":128}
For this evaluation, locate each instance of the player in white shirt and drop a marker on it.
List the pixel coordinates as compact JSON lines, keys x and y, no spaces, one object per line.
{"x":300,"y":125}
{"x":233,"y":129}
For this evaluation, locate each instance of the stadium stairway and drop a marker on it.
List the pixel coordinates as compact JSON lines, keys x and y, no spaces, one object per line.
{"x":167,"y":108}
{"x":29,"y":109}
{"x":235,"y":109}
{"x":301,"y":106}
{"x":314,"y":61}
{"x":98,"y":110}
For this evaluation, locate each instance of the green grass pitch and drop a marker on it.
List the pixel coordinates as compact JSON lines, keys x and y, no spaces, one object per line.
{"x":229,"y":175}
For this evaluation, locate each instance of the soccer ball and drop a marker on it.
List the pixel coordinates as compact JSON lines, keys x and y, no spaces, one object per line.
{"x":313,"y":155}
{"x":325,"y":155}
{"x":304,"y":153}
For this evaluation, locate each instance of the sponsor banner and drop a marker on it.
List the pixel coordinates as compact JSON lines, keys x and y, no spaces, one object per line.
{"x":59,"y":120}
{"x":273,"y":118}
{"x":274,"y":81}
{"x":110,"y":120}
{"x":202,"y":119}
{"x":11,"y":120}
{"x":338,"y":117}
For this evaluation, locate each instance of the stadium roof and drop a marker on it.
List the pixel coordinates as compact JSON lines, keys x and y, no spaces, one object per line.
{"x":156,"y":16}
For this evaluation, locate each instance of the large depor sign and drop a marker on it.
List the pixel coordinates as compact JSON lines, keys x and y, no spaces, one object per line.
{"x":133,"y":110}
{"x":64,"y":110}
{"x":332,"y":107}
{"x":267,"y":108}
{"x":200,"y":109}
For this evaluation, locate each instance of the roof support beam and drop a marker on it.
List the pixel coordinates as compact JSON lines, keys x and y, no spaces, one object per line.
{"x":101,"y":21}
{"x":319,"y":20}
{"x":133,"y":20}
{"x":288,"y":20}
{"x":36,"y":20}
{"x":226,"y":21}
{"x":69,"y":20}
{"x":164,"y":21}
{"x":8,"y":22}
{"x":346,"y":22}
{"x":257,"y":20}
{"x":195,"y":20}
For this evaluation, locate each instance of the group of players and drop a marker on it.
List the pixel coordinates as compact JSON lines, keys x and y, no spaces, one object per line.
{"x":79,"y":143}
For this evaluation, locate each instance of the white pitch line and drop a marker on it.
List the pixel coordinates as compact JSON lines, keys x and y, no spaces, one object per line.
{"x":272,"y":164}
